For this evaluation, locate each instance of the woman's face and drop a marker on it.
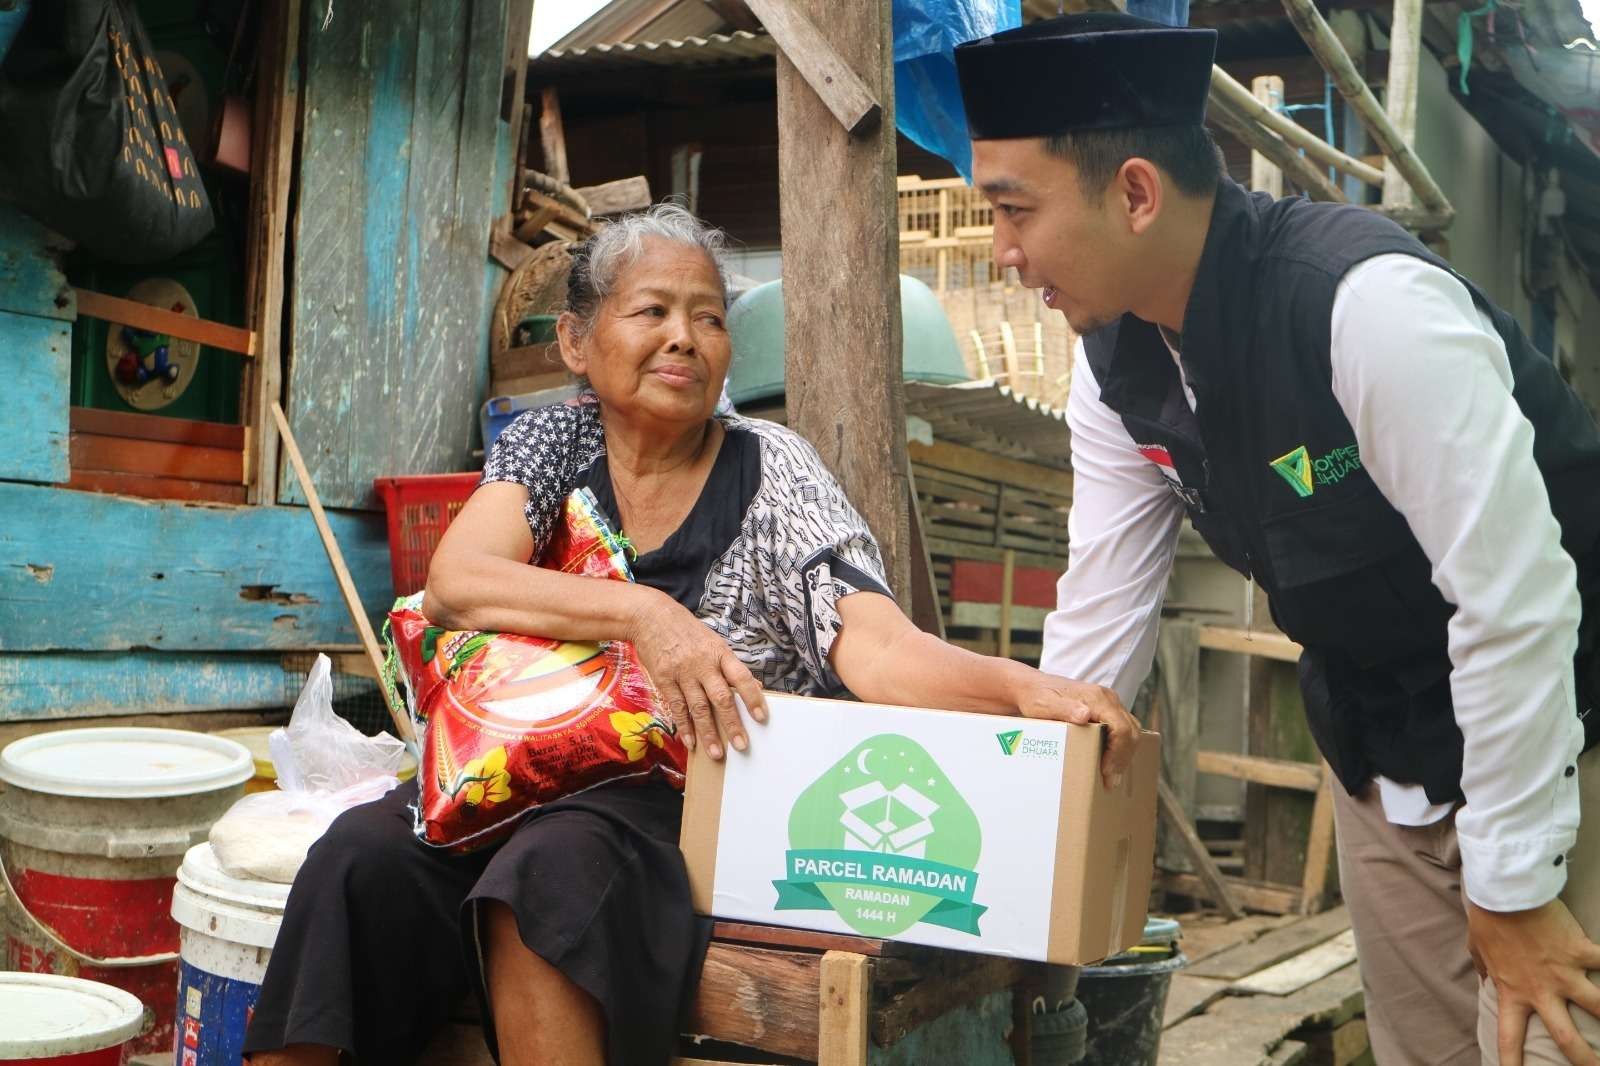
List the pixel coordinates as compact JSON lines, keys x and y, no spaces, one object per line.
{"x":659,"y":348}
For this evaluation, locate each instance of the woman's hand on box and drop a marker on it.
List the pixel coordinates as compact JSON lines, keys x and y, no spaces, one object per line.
{"x":1063,"y":700}
{"x":696,"y":674}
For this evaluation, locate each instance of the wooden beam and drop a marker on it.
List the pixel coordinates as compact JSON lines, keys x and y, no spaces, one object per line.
{"x":1217,"y":889}
{"x":1324,"y":44}
{"x":1253,"y":895}
{"x":1292,"y":163}
{"x":1250,"y":106}
{"x":1400,"y":94}
{"x":155,"y":427}
{"x":960,"y":459}
{"x":617,"y":197}
{"x":828,"y":73}
{"x":736,"y":13}
{"x":842,"y":1017}
{"x":519,"y":25}
{"x":1319,"y":847}
{"x":160,"y":320}
{"x":1267,"y":92}
{"x":552,"y":137}
{"x":759,"y":998}
{"x":1277,"y":773}
{"x":1266,"y":645}
{"x":852,"y":410}
{"x":1008,"y":595}
{"x":277,"y":119}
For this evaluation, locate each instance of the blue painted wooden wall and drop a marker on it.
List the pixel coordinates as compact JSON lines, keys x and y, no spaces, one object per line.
{"x":36,"y":309}
{"x":397,"y":183}
{"x":112,"y":605}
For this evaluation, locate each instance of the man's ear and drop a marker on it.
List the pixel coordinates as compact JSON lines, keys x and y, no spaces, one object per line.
{"x":1139,"y":193}
{"x":567,"y":336}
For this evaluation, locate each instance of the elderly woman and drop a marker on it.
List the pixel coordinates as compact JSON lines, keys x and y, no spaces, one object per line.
{"x":753,"y":572}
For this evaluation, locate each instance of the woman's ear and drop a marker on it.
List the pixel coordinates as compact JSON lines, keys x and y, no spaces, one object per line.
{"x":568,"y":337}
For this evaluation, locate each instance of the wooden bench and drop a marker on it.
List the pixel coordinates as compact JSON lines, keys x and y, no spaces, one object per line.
{"x":834,"y":1000}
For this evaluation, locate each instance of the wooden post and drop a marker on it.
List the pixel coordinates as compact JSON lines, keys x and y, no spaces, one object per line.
{"x":1264,"y":174}
{"x":1314,"y":883}
{"x":518,"y":26}
{"x":553,"y":137}
{"x":944,"y":232}
{"x":1008,"y":595}
{"x":842,"y":342}
{"x":1295,"y":166}
{"x":843,"y":1013}
{"x":1400,"y":94}
{"x":277,"y":116}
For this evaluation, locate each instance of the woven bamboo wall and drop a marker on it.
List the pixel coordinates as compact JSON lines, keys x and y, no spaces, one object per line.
{"x":1005,"y":331}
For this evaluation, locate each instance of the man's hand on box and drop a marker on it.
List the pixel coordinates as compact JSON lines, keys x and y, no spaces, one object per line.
{"x":1063,"y":700}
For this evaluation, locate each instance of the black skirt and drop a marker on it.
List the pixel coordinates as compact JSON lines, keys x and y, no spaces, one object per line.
{"x":379,"y":943}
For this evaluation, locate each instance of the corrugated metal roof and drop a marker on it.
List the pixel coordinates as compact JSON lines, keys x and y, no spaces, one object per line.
{"x":718,"y":48}
{"x":636,"y":21}
{"x":993,"y":418}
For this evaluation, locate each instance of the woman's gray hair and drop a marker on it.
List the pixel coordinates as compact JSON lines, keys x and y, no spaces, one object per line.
{"x":600,"y":260}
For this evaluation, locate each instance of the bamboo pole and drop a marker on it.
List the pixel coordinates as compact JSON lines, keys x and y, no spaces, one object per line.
{"x":1265,"y":175}
{"x":1294,"y":166}
{"x":1319,"y":37}
{"x":1400,"y":93}
{"x":1296,"y":135}
{"x":341,"y":573}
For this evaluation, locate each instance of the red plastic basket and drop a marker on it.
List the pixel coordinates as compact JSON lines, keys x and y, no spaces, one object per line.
{"x":419,"y":508}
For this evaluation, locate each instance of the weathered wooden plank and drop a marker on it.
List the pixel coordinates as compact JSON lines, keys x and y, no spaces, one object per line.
{"x":1274,"y":947}
{"x":1267,"y":645}
{"x":156,"y":458}
{"x":31,"y":282}
{"x":1249,"y":1030}
{"x":758,"y":998}
{"x":1344,"y":1046}
{"x":1293,"y":974}
{"x":398,"y":187}
{"x":1279,"y":773}
{"x":50,"y":685}
{"x":980,"y":464}
{"x":37,"y":356}
{"x":1172,"y":808}
{"x":160,"y":320}
{"x":88,"y":572}
{"x":155,"y":427}
{"x":1291,"y":1053}
{"x":938,"y":993}
{"x":1254,"y":895}
{"x":1207,"y":935}
{"x":155,"y":487}
{"x":1187,"y":996}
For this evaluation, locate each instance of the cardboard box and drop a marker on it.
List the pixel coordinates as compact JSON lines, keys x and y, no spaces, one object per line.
{"x":965,"y":831}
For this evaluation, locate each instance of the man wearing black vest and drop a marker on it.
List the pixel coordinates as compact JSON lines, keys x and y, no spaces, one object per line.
{"x":1369,"y":438}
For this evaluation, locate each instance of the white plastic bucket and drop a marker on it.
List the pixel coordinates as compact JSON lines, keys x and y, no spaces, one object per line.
{"x":228,"y":928}
{"x":48,"y":1020}
{"x":92,"y":827}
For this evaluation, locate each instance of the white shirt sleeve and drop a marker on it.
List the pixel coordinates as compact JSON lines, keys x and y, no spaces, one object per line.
{"x":1423,"y":378}
{"x":1122,"y":534}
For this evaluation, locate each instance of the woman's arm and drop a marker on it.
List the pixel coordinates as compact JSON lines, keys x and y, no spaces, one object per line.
{"x":883,"y":658}
{"x":480,"y":579}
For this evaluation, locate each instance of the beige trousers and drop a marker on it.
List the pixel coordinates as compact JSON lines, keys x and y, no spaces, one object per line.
{"x":1425,"y":1006}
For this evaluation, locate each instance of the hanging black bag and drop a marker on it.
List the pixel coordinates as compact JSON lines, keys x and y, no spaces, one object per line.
{"x":94,"y":148}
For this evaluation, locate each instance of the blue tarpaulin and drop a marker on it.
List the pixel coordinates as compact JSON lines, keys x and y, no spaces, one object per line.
{"x":927,"y":96}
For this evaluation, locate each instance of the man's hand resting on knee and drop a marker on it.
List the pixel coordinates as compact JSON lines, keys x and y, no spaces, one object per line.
{"x":1539,"y":961}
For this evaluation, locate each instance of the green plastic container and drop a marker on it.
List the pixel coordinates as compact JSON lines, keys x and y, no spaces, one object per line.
{"x":755,"y":322}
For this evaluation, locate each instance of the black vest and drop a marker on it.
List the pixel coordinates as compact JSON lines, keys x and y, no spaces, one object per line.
{"x":1269,"y":471}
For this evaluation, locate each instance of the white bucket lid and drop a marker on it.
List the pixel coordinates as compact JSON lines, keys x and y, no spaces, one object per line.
{"x":125,"y":763}
{"x":201,"y":874}
{"x":44,"y":1014}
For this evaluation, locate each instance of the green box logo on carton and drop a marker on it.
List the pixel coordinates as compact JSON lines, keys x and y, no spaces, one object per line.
{"x":884,"y":840}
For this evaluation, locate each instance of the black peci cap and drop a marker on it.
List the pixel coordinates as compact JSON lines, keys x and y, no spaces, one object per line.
{"x":1092,"y":71}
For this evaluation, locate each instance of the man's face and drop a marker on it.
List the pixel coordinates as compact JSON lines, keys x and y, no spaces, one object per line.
{"x":1070,"y":246}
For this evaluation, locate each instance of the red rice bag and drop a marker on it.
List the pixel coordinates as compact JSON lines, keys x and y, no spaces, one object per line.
{"x":508,"y":722}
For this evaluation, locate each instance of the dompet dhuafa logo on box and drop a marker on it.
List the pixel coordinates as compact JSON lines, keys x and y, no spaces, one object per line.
{"x":884,"y":840}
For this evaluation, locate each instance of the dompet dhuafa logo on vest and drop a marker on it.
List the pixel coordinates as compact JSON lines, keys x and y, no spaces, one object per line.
{"x":884,"y":839}
{"x":1304,"y":474}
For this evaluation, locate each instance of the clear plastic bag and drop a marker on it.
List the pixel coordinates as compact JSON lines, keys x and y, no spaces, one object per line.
{"x":325,"y":766}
